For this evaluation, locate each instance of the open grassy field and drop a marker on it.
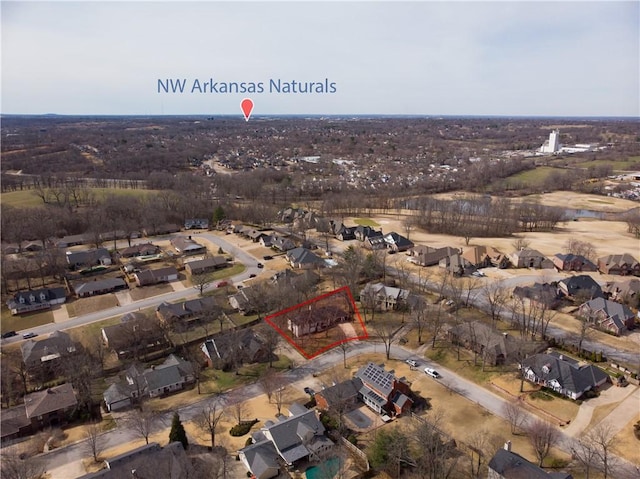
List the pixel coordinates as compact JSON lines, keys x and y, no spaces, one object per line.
{"x":366,"y":222}
{"x":535,"y":177}
{"x":24,"y":321}
{"x":28,"y":198}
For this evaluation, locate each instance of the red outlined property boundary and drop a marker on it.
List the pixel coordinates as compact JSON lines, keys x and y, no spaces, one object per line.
{"x":312,"y":354}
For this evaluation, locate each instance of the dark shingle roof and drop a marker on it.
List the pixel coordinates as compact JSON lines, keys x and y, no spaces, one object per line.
{"x":513,"y":466}
{"x":50,"y":400}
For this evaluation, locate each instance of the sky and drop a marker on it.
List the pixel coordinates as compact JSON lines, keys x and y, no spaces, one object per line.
{"x":525,"y":58}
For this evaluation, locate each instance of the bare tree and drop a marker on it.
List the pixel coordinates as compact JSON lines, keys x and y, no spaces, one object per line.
{"x":208,"y":419}
{"x":520,"y":243}
{"x":543,"y":436}
{"x":580,"y":248}
{"x":93,"y":440}
{"x":418,"y":318}
{"x":141,"y":421}
{"x":515,"y":414}
{"x":386,"y":332}
{"x":496,"y":296}
{"x":16,"y":466}
{"x":268,"y":382}
{"x":584,"y":451}
{"x":482,"y":444}
{"x":239,"y":409}
{"x":278,"y":396}
{"x":583,"y":333}
{"x":200,"y":281}
{"x":602,"y":438}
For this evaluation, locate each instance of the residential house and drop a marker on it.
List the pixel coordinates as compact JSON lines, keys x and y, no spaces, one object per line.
{"x":288,"y":215}
{"x":298,"y":437}
{"x":397,"y":243}
{"x":185,"y":245}
{"x":363,"y":232}
{"x":256,"y":236}
{"x":142,"y":249}
{"x":135,"y":336}
{"x":341,"y":397}
{"x":265,"y":240}
{"x":315,"y":319}
{"x":624,"y":291}
{"x":375,"y":243}
{"x":50,"y":407}
{"x":564,"y":375}
{"x":149,"y":460}
{"x":99,"y":286}
{"x":174,"y":374}
{"x":382,"y":391}
{"x":456,"y":264}
{"x":620,"y":264}
{"x":155,"y":276}
{"x":382,"y":297}
{"x":282,"y":243}
{"x":530,"y":258}
{"x":14,"y":424}
{"x":72,"y":240}
{"x":346,"y":233}
{"x":88,"y":258}
{"x":506,"y":464}
{"x":493,"y":346}
{"x":428,"y":256}
{"x":36,"y":299}
{"x":544,"y":294}
{"x":236,"y":347}
{"x":187,"y":311}
{"x":164,"y":229}
{"x":47,"y":352}
{"x":196,"y":223}
{"x":302,"y":258}
{"x":242,"y":301}
{"x":573,"y":262}
{"x":580,"y":287}
{"x":485,"y":257}
{"x":206,"y":265}
{"x":608,"y":315}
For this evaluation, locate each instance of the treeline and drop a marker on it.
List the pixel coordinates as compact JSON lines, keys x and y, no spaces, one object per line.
{"x":482,"y":216}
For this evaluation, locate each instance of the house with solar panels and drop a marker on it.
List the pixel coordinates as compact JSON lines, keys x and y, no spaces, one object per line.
{"x":382,"y":391}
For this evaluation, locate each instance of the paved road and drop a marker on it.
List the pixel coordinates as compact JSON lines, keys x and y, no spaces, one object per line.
{"x":301,"y":376}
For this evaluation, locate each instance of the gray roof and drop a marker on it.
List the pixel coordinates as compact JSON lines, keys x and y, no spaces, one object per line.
{"x":187,"y":308}
{"x":43,"y":295}
{"x":513,"y":466}
{"x":341,"y":392}
{"x":117,"y":392}
{"x":303,"y":256}
{"x":618,"y":312}
{"x":99,"y":285}
{"x":206,"y":263}
{"x":572,"y":375}
{"x":183,"y":243}
{"x":286,"y":435}
{"x":58,"y":343}
{"x":582,"y":284}
{"x":87,"y":257}
{"x":380,"y":289}
{"x":261,"y":457}
{"x":50,"y":400}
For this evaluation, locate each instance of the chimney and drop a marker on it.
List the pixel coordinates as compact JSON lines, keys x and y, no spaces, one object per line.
{"x":507,"y":446}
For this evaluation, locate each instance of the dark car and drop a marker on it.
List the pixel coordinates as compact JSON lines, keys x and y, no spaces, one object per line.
{"x":267,"y":257}
{"x":252,"y":275}
{"x":9,"y":334}
{"x":260,"y":265}
{"x":309,"y":391}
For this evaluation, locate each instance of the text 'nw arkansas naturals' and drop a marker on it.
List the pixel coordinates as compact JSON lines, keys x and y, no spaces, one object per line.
{"x":273,"y":85}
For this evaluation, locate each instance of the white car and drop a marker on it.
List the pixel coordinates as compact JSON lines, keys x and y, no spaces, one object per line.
{"x":432,"y":372}
{"x":412,"y":362}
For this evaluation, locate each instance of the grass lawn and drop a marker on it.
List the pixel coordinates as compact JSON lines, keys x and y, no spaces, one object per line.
{"x":366,"y":222}
{"x":149,"y":291}
{"x":85,"y":334}
{"x":535,"y":177}
{"x":78,"y":307}
{"x":27,"y":198}
{"x":25,"y":321}
{"x":625,"y":443}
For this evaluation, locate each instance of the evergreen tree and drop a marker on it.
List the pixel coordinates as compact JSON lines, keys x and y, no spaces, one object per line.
{"x":218,"y":214}
{"x":177,"y":432}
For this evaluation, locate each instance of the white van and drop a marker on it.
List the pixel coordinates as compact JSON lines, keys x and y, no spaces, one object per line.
{"x":432,"y":372}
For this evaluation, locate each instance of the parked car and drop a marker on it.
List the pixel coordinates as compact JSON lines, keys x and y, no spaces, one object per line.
{"x":267,"y":257}
{"x":309,"y":391}
{"x":29,"y":335}
{"x":412,"y":362}
{"x":252,"y":275}
{"x":9,"y":334}
{"x":260,"y":265}
{"x":433,"y":373}
{"x":222,"y":284}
